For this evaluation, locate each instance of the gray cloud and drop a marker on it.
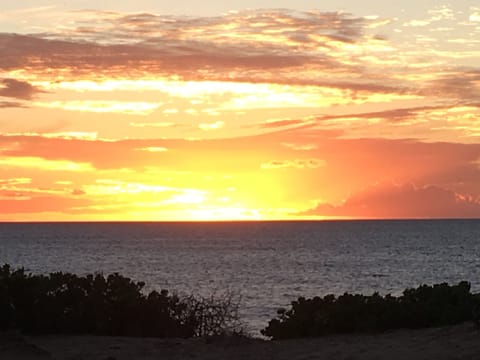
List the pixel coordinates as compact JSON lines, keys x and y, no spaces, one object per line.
{"x":398,"y":115}
{"x":165,"y":57}
{"x":459,"y":84}
{"x":393,"y":115}
{"x":17,"y":89}
{"x":189,"y":46}
{"x":269,"y":46}
{"x":294,"y":25}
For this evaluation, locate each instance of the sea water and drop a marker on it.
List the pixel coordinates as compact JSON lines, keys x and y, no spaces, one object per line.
{"x":265,"y":264}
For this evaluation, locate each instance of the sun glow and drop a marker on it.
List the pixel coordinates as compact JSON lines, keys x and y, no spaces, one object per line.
{"x":242,"y":115}
{"x":224,"y":213}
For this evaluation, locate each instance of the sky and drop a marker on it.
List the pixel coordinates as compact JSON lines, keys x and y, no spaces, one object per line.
{"x":240,"y":110}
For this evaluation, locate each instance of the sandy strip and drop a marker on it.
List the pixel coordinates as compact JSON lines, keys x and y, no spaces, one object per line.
{"x":454,"y":342}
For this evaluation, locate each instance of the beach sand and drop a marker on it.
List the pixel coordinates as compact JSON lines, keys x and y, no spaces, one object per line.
{"x":453,"y":342}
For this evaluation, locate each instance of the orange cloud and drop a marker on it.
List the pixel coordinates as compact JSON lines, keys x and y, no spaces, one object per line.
{"x":403,"y":201}
{"x":206,"y":173}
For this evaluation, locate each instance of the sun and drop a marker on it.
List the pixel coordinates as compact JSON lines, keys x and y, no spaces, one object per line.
{"x":206,"y":213}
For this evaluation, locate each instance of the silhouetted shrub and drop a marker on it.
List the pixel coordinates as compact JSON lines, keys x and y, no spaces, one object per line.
{"x":64,"y":303}
{"x":216,"y":314}
{"x":425,"y":306}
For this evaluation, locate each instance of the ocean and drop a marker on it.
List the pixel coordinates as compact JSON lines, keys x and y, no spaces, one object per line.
{"x":265,"y":264}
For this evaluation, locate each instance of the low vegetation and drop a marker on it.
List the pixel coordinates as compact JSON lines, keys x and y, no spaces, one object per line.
{"x":64,"y":303}
{"x":425,"y":306}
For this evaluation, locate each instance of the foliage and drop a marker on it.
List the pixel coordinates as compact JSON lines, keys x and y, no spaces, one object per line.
{"x":64,"y":303}
{"x":425,"y":306}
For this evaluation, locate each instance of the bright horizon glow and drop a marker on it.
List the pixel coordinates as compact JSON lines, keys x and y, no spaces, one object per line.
{"x":153,"y":111}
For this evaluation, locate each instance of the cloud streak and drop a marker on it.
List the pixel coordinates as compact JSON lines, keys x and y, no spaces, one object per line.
{"x":297,"y":163}
{"x":11,"y":104}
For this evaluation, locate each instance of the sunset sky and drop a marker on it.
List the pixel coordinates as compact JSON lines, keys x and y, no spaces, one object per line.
{"x":230,"y":110}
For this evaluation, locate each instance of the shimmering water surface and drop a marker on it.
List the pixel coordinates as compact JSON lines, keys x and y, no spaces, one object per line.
{"x":268,"y":263}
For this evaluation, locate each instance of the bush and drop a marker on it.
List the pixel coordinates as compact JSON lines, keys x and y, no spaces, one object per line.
{"x":215,"y":314}
{"x":425,"y":306}
{"x":64,"y":303}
